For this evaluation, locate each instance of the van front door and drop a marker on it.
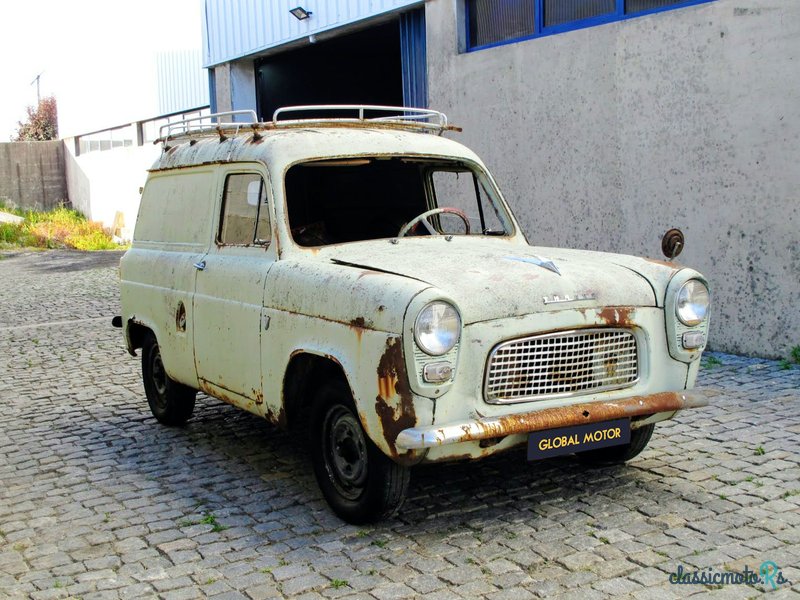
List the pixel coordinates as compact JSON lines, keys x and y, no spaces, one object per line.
{"x":229,"y":292}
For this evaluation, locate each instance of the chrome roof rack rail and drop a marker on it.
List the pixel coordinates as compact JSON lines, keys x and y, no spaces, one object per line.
{"x":403,"y":117}
{"x":205,"y":124}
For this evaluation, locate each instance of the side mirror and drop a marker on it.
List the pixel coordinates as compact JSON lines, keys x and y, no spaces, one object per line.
{"x":672,"y":243}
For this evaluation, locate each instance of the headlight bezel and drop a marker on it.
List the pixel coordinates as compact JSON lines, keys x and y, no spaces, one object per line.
{"x":454,"y":334}
{"x":687,"y":303}
{"x":675,"y":328}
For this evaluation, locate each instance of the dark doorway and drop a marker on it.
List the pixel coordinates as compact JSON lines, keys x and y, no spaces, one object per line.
{"x":359,"y":68}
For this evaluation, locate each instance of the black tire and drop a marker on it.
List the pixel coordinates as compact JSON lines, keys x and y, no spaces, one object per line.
{"x":170,"y":402}
{"x":616,"y":455}
{"x":359,"y":482}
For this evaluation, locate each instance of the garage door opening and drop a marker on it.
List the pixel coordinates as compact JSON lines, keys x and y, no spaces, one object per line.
{"x":384,"y":64}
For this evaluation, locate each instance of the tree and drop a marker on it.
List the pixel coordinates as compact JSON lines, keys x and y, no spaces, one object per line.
{"x":42,"y":123}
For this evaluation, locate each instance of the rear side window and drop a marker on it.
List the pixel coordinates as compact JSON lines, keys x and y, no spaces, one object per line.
{"x":245,"y":214}
{"x":176,"y":208}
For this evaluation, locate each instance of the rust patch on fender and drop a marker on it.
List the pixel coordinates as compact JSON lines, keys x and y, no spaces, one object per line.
{"x":618,"y":316}
{"x":663,"y":263}
{"x":276,"y":418}
{"x":394,"y":404}
{"x":259,"y":396}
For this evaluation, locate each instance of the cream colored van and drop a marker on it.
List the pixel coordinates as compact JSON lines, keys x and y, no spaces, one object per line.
{"x":352,"y":273}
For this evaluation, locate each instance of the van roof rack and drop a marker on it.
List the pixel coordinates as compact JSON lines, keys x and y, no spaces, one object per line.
{"x":353,"y":115}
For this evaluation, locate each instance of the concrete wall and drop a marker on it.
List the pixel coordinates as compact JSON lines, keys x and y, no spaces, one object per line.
{"x":605,"y":137}
{"x":32,"y":174}
{"x":104,"y":186}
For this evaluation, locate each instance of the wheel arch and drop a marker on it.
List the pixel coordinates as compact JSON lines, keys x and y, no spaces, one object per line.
{"x":305,"y":373}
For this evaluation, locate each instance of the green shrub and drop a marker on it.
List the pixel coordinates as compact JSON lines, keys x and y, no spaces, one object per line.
{"x":59,"y":228}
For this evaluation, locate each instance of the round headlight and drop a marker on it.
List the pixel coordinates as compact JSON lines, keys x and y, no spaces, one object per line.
{"x":692,"y":303}
{"x":437,"y":328}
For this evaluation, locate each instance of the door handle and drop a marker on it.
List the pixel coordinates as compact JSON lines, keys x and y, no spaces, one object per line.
{"x":200,"y":266}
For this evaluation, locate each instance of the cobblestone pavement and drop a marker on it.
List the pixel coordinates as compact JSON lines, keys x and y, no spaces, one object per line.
{"x":98,"y":501}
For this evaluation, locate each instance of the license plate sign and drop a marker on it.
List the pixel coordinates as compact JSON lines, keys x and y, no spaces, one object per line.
{"x":566,"y":440}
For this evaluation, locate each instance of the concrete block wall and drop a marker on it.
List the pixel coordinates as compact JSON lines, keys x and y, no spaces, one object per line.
{"x":32,"y":174}
{"x":603,"y":138}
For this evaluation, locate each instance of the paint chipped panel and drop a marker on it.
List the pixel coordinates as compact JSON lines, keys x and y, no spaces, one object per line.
{"x":394,"y":403}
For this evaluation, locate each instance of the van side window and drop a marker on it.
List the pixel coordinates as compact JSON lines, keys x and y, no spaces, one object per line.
{"x":245,"y":214}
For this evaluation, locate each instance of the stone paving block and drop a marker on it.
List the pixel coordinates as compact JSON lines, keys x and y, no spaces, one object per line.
{"x":93,"y":492}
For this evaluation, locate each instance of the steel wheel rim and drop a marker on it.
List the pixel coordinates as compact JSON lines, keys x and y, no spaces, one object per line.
{"x":159,"y":378}
{"x":345,"y":452}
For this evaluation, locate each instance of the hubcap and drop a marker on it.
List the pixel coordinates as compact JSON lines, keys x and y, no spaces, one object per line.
{"x":345,"y":450}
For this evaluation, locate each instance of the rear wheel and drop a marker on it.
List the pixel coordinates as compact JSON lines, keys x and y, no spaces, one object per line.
{"x":359,"y":482}
{"x":170,"y":402}
{"x":616,"y":455}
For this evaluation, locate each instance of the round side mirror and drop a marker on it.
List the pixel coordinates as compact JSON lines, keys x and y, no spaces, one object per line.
{"x":672,"y":243}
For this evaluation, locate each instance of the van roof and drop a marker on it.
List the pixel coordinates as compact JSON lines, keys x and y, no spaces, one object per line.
{"x":290,"y":141}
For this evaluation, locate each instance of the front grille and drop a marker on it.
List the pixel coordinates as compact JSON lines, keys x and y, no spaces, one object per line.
{"x":561,"y":364}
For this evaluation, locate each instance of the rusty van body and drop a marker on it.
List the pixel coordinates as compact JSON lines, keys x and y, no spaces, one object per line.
{"x":363,"y":279}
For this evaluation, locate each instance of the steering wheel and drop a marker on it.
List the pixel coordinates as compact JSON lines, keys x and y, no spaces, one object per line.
{"x":423,"y":218}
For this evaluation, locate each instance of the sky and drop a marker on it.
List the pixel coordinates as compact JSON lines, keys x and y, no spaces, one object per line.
{"x":97,"y":58}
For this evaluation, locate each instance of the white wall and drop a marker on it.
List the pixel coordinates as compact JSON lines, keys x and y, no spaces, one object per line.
{"x":100,"y":184}
{"x":605,"y":137}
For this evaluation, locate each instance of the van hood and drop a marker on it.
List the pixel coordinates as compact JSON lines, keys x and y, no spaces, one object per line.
{"x":494,"y":279}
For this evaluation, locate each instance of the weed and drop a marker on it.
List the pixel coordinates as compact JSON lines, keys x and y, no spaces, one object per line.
{"x":784,"y":364}
{"x":59,"y":228}
{"x":791,"y":493}
{"x":106,"y":518}
{"x":795,"y":354}
{"x":709,"y":362}
{"x":210,"y":519}
{"x":379,"y":543}
{"x":371,"y":572}
{"x":723,"y":497}
{"x":266,"y":570}
{"x":338,"y":583}
{"x":604,"y":540}
{"x":511,"y":535}
{"x":58,"y":584}
{"x":210,"y":580}
{"x":362,"y":533}
{"x":283,"y":562}
{"x":759,"y":451}
{"x":471,"y":560}
{"x":749,"y":478}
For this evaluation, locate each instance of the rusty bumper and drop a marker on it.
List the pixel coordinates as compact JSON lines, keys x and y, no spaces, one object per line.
{"x":549,"y":418}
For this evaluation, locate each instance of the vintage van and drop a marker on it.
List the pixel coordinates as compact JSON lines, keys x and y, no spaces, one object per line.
{"x":351,"y":273}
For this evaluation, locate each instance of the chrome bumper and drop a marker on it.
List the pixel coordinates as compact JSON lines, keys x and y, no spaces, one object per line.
{"x":417,"y":438}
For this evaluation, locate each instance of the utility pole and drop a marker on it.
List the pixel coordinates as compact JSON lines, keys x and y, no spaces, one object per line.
{"x":38,"y":95}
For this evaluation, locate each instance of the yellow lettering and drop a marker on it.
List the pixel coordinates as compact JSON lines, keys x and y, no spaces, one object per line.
{"x":544,"y":444}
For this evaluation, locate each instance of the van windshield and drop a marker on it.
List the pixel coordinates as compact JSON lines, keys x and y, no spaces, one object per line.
{"x":364,"y":198}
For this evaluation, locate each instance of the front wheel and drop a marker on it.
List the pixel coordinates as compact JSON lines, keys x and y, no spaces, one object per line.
{"x":358,"y":481}
{"x":172,"y":403}
{"x":616,"y":455}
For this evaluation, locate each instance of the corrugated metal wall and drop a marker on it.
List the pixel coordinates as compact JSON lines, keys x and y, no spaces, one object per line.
{"x":182,"y":81}
{"x":236,"y":28}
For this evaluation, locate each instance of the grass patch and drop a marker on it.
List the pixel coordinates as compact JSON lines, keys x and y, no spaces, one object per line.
{"x":208,"y":519}
{"x":795,"y":354}
{"x":759,"y":451}
{"x":59,"y":228}
{"x":709,"y":362}
{"x":338,"y":583}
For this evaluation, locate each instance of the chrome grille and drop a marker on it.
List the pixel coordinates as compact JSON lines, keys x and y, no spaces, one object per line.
{"x":561,"y":364}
